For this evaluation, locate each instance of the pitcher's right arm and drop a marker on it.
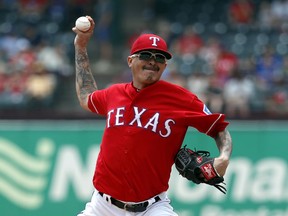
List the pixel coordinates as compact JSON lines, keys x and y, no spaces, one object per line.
{"x":85,"y":83}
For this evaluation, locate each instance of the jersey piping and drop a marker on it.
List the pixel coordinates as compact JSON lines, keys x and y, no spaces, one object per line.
{"x":213,"y":124}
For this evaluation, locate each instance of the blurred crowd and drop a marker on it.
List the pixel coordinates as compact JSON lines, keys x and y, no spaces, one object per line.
{"x":232,"y":54}
{"x":35,"y":50}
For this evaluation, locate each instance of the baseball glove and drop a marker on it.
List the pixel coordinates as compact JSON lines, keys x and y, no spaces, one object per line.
{"x":197,"y":166}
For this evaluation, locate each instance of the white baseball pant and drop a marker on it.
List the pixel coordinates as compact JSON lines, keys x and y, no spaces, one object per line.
{"x":102,"y":206}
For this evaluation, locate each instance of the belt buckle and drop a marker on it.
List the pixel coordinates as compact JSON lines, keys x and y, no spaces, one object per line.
{"x":129,"y":207}
{"x":134,"y":207}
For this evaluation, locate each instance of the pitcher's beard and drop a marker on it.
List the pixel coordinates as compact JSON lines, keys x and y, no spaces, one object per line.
{"x":150,"y":78}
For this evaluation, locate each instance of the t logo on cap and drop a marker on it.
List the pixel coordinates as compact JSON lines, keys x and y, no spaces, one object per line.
{"x":150,"y":42}
{"x":155,"y":39}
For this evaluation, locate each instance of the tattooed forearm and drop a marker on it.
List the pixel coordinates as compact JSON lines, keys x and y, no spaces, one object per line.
{"x":85,"y":83}
{"x":224,"y":143}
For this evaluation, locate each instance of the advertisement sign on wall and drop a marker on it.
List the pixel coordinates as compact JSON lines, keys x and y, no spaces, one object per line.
{"x":46,"y":169}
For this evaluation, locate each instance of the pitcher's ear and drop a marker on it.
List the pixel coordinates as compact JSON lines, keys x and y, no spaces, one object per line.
{"x":129,"y":61}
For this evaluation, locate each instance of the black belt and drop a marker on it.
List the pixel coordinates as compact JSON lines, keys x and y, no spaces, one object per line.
{"x":139,"y":207}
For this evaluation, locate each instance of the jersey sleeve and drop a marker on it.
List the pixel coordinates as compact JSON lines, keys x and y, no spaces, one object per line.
{"x":204,"y":121}
{"x":97,"y":102}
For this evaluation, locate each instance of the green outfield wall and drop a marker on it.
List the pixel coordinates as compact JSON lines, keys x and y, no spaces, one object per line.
{"x":46,"y":169}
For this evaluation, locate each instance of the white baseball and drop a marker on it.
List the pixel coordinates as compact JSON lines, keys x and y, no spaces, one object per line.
{"x":83,"y":24}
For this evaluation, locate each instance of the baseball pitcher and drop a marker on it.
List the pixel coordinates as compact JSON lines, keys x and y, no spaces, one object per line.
{"x":146,"y":122}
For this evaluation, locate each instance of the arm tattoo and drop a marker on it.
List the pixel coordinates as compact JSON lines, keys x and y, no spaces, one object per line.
{"x":224,"y":143}
{"x":85,"y":83}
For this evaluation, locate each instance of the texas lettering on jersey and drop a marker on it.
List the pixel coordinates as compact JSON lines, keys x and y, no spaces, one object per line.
{"x":116,"y":117}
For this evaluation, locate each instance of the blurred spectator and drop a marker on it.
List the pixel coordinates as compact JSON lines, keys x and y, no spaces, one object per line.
{"x":104,"y":63}
{"x":277,"y":103}
{"x":210,"y":53}
{"x":215,"y":94}
{"x":246,"y":66}
{"x":186,"y":52}
{"x":32,"y":10}
{"x":241,"y":12}
{"x":11,"y":44}
{"x":13,"y":93}
{"x":277,"y":96}
{"x":41,"y":86}
{"x":211,"y":50}
{"x":279,"y":13}
{"x":198,"y":83}
{"x":23,"y":59}
{"x":238,"y":92}
{"x":54,"y":59}
{"x":265,"y":20}
{"x":225,"y":65}
{"x":190,"y":42}
{"x":17,"y":88}
{"x":269,"y":66}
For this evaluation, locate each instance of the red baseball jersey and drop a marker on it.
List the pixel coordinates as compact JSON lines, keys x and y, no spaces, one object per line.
{"x":144,"y":131}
